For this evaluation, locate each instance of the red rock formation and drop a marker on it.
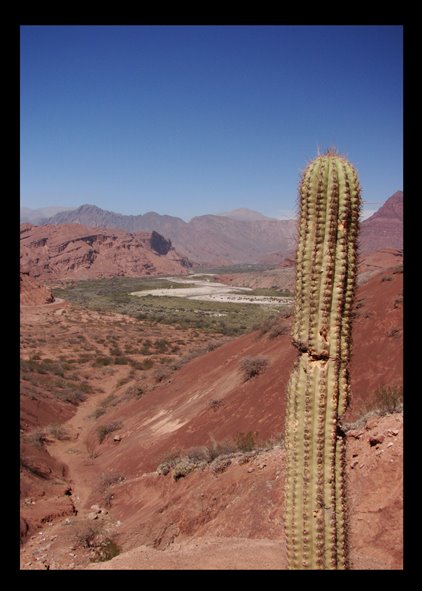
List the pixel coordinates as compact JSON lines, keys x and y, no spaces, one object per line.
{"x":384,"y":229}
{"x":32,"y":293}
{"x":80,"y":252}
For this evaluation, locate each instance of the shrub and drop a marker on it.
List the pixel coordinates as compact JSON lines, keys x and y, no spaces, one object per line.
{"x":134,"y":391}
{"x":86,"y":533}
{"x":101,"y":362}
{"x":183,"y":468}
{"x":58,"y":432}
{"x":71,"y":395}
{"x":215,"y":404}
{"x":220,"y":449}
{"x":161,"y":374}
{"x":161,"y":345}
{"x":220,"y":465}
{"x":389,"y":399}
{"x":245,"y":441}
{"x":278,"y":330}
{"x":253,"y":366}
{"x":107,"y":550}
{"x":107,"y":480}
{"x":121,"y":360}
{"x":98,"y":412}
{"x":37,"y":438}
{"x":104,"y":430}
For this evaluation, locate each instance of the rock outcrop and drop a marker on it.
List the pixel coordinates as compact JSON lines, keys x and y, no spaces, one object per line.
{"x":32,"y":293}
{"x":80,"y":252}
{"x":384,"y":229}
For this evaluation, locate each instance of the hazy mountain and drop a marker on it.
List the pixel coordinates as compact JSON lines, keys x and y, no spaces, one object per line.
{"x":204,"y":239}
{"x":245,"y":215}
{"x":37,"y":216}
{"x":238,"y":236}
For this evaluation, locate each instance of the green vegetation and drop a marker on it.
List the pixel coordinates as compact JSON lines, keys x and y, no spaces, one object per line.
{"x":52,"y":377}
{"x":239,"y":268}
{"x":112,"y":295}
{"x":272,"y":292}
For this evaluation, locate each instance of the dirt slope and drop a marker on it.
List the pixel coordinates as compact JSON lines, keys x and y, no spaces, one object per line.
{"x":208,"y":402}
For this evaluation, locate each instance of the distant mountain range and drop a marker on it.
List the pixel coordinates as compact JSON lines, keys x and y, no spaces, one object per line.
{"x":40,"y":215}
{"x":238,"y":236}
{"x":212,"y":239}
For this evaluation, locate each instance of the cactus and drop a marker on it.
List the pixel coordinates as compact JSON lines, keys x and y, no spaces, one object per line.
{"x":319,"y":389}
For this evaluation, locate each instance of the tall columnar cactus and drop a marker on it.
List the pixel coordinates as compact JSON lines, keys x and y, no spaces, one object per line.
{"x":318,"y":391}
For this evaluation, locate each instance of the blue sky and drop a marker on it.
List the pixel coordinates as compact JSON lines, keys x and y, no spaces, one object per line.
{"x":188,"y":120}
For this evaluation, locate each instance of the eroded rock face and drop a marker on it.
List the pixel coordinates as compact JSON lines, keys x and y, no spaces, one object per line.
{"x":384,"y":229}
{"x":32,"y":293}
{"x":80,"y":252}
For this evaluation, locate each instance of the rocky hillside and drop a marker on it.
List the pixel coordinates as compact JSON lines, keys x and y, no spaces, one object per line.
{"x":80,"y":252}
{"x":32,"y":293}
{"x":218,"y":240}
{"x":111,"y":483}
{"x":384,"y":229}
{"x":239,"y":236}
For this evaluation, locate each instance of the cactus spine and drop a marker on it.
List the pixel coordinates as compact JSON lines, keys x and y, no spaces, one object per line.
{"x":318,"y":391}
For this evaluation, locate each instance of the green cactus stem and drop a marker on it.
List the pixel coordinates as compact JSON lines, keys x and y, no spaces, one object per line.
{"x":319,"y":386}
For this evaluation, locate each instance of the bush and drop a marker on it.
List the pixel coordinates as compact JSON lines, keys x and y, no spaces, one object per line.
{"x":86,"y":533}
{"x":98,"y":412}
{"x":101,"y":362}
{"x":121,"y":360}
{"x":104,"y":430}
{"x":134,"y":391}
{"x":107,"y":480}
{"x":58,"y":432}
{"x":278,"y":330}
{"x":215,"y":404}
{"x":162,"y":374}
{"x":389,"y":399}
{"x":245,"y":441}
{"x":38,"y":439}
{"x":107,"y":550}
{"x":253,"y":366}
{"x":183,"y":468}
{"x":71,"y":395}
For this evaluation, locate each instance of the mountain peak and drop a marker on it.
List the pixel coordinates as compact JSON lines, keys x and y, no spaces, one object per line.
{"x":391,"y":209}
{"x":245,"y":215}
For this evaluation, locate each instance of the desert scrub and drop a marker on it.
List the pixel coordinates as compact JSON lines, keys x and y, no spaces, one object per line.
{"x":246,"y":441}
{"x":103,"y":295}
{"x":109,"y":479}
{"x":106,"y":550}
{"x":37,"y":438}
{"x":134,"y":391}
{"x":389,"y":399}
{"x":58,"y":432}
{"x":252,"y":366}
{"x":71,"y":395}
{"x":104,"y":430}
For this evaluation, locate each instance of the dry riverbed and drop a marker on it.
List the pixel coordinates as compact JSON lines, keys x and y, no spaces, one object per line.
{"x":213,"y":291}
